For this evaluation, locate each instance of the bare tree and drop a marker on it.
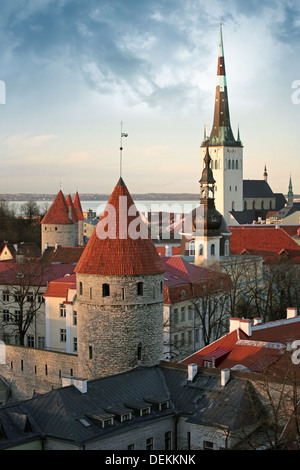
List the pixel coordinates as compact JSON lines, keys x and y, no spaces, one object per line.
{"x":21,"y":297}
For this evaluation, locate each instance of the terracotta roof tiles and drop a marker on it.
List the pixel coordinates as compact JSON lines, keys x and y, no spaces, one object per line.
{"x":58,"y":212}
{"x":116,"y":252}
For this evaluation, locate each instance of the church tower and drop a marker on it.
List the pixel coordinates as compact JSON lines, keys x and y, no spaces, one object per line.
{"x":226,"y":152}
{"x":205,"y":229}
{"x":120,"y":293}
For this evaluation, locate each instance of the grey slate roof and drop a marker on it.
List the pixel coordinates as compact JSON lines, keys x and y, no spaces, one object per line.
{"x":256,"y":189}
{"x":59,"y":413}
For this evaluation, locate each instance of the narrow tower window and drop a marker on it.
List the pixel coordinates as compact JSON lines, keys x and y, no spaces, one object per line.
{"x":139,"y":352}
{"x":140,"y":288}
{"x":80,"y":288}
{"x":105,"y":290}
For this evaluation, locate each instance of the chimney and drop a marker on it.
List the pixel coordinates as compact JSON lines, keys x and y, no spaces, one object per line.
{"x":80,"y":384}
{"x":257,"y":321}
{"x":168,"y":250}
{"x":56,"y":246}
{"x":225,"y":376}
{"x":192,"y":371}
{"x":243,"y":324}
{"x":291,"y":312}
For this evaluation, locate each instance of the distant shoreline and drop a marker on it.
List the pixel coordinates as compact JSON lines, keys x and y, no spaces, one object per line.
{"x":101,"y":197}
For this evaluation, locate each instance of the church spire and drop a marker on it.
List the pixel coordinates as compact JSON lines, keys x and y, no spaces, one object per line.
{"x":290,"y":193}
{"x":221,"y":133}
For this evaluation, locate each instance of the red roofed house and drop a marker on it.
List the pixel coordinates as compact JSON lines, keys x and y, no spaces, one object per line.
{"x":252,"y":346}
{"x":189,"y":291}
{"x":60,"y":315}
{"x":22,"y":287}
{"x":61,"y":226}
{"x":269,"y":241}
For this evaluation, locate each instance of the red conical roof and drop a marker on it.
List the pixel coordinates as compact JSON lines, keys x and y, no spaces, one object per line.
{"x":58,"y":212}
{"x":77,"y":205}
{"x":73,"y":210}
{"x":115,"y":248}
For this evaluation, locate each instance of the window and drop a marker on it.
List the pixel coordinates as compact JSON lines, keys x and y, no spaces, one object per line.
{"x":5,"y":297}
{"x":207,"y":445}
{"x":168,"y":440}
{"x":212,"y":250}
{"x":175,"y":315}
{"x":63,"y":335}
{"x":74,"y":317}
{"x":29,"y":297}
{"x":41,"y":342}
{"x":123,"y":293}
{"x":236,"y":164}
{"x":62,"y":310}
{"x":30,"y":341}
{"x":226,"y":248}
{"x":105,"y":290}
{"x":161,"y":287}
{"x":130,"y":447}
{"x":200,"y":250}
{"x":182,"y":313}
{"x":80,"y":288}
{"x":139,"y":352}
{"x":90,"y":352}
{"x":192,"y":248}
{"x":6,"y":315}
{"x":74,"y":344}
{"x":17,"y":315}
{"x":190,"y":312}
{"x":149,"y":443}
{"x":140,"y":288}
{"x":91,"y":293}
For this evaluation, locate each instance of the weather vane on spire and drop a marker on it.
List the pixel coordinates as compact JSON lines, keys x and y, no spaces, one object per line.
{"x":123,"y":134}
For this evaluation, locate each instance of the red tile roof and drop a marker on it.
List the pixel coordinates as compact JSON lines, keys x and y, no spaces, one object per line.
{"x":73,"y":210}
{"x":77,"y":205}
{"x":36,"y":274}
{"x":59,"y":287}
{"x":63,"y":254}
{"x":263,"y":240}
{"x":58,"y":212}
{"x":118,"y":253}
{"x":266,"y":346}
{"x":181,"y":275}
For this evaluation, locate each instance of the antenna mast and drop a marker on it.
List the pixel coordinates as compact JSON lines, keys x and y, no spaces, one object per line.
{"x":123,"y":134}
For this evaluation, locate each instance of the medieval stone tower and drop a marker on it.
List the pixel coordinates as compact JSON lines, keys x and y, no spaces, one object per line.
{"x":225,"y":151}
{"x":119,"y":293}
{"x":63,"y":223}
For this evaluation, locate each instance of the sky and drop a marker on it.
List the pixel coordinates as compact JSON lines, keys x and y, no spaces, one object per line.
{"x":72,"y":70}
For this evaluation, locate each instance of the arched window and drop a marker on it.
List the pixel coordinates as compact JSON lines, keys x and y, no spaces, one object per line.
{"x":236,"y":164}
{"x":216,"y":164}
{"x":192,"y":248}
{"x":213,"y":250}
{"x":229,"y":164}
{"x":232,"y":163}
{"x":232,"y":206}
{"x":80,"y":288}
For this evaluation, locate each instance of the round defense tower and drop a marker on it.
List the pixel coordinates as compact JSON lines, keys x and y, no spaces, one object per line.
{"x":120,"y":296}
